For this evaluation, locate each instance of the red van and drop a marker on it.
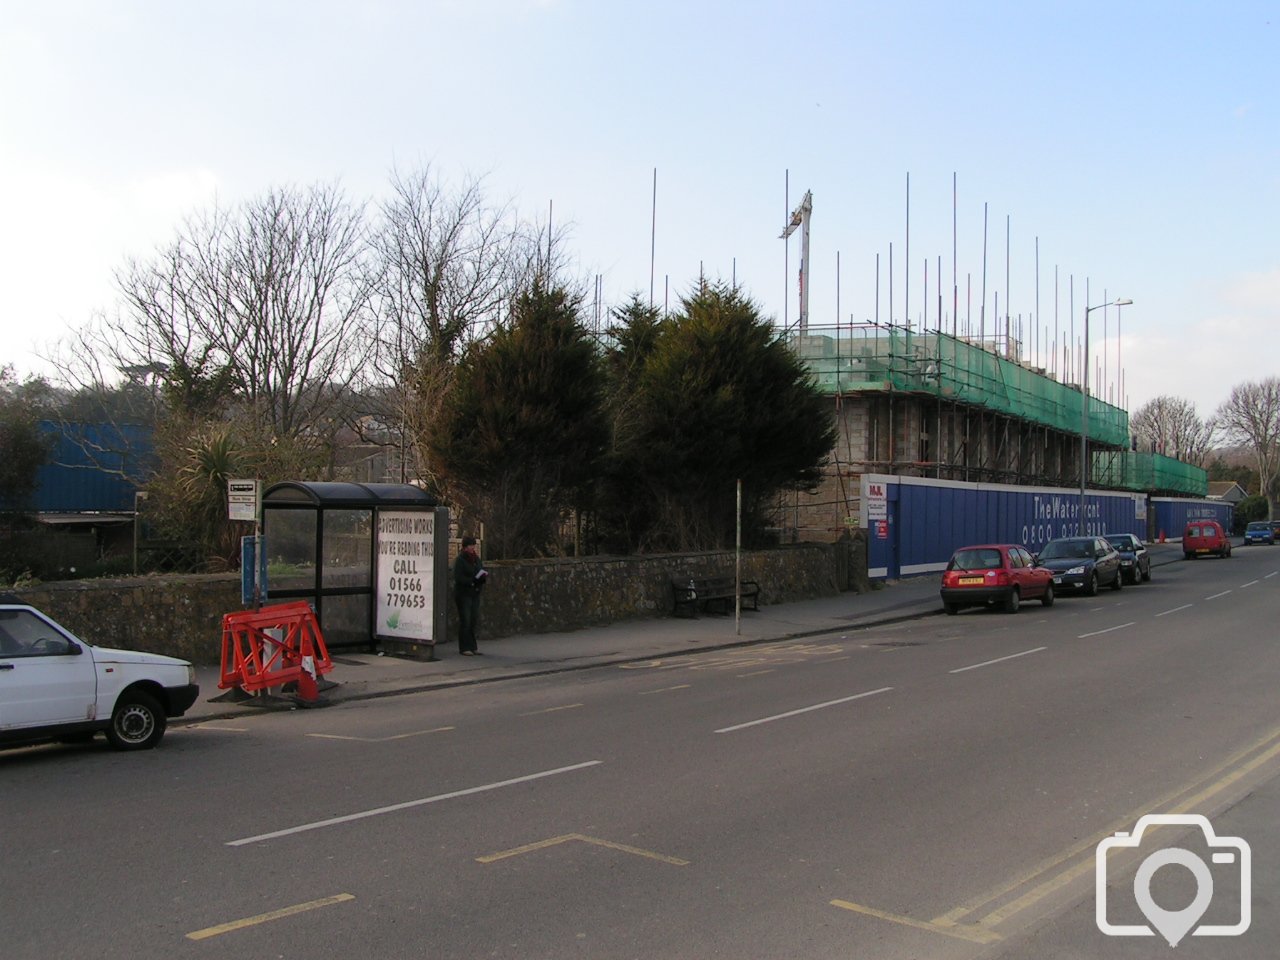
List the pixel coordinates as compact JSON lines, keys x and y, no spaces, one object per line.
{"x":1205,"y":536}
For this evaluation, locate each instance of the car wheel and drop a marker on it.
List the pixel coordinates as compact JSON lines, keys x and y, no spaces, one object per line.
{"x":1146,"y":574}
{"x":1118,"y":582}
{"x":137,"y":722}
{"x":951,"y":608}
{"x":1012,"y":601}
{"x":1047,"y":599}
{"x":1092,"y":589}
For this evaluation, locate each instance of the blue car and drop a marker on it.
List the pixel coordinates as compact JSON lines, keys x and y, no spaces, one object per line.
{"x":1260,"y":531}
{"x":1135,"y":561}
{"x":1081,"y":565}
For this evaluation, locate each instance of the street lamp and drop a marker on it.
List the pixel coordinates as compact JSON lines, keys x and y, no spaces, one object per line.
{"x":1084,"y":408}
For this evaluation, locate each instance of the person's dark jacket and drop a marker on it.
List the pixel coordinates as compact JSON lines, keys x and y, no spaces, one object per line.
{"x":464,"y":574}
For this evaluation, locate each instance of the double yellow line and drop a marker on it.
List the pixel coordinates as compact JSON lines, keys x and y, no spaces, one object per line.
{"x":1066,"y":868}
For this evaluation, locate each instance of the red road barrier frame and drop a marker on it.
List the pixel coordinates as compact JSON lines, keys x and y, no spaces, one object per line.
{"x":273,"y":646}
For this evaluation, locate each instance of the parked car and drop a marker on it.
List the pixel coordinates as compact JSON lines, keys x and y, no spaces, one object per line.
{"x":1259,"y":531}
{"x":55,"y":686}
{"x":1205,"y":537}
{"x":1082,"y":564}
{"x":994,"y":573}
{"x":1275,"y":529}
{"x":1135,"y":559}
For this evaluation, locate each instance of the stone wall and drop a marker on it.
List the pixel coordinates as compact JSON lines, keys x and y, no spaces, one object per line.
{"x":541,"y":596}
{"x":182,"y":615}
{"x":176,"y":615}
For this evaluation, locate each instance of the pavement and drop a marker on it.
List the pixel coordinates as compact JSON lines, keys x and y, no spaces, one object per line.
{"x":366,"y":676}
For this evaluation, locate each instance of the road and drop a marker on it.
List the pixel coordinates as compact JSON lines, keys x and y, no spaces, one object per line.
{"x":934,"y":789}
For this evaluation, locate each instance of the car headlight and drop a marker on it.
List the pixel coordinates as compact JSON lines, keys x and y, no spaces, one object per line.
{"x":1076,"y":570}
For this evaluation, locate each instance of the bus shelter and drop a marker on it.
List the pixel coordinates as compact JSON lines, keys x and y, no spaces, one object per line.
{"x":371,"y":558}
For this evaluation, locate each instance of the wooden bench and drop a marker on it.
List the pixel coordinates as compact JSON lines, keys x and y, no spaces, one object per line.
{"x":693,"y":592}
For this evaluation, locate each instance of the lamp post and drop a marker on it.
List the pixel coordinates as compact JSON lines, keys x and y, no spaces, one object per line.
{"x":1084,"y":408}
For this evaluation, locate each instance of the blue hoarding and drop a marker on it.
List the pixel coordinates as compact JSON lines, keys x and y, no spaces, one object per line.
{"x":914,"y":524}
{"x":1174,"y":513}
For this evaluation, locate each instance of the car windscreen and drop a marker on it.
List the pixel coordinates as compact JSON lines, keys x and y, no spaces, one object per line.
{"x":1067,"y":549}
{"x":986,"y":559}
{"x":1262,"y":525}
{"x":1121,"y":542}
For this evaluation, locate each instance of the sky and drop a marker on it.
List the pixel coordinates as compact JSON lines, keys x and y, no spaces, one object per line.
{"x":1114,"y":150}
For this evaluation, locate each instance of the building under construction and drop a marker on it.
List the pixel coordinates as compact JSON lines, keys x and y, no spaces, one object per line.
{"x":939,"y":406}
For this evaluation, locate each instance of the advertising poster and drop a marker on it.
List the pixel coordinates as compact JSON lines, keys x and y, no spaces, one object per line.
{"x":404,"y":575}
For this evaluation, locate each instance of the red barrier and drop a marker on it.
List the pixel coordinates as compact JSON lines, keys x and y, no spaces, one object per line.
{"x":273,"y":646}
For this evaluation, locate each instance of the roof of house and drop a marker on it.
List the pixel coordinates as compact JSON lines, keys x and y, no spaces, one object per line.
{"x":1226,"y":490}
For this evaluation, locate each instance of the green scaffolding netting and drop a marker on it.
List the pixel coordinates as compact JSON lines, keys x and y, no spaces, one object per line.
{"x":867,"y":357}
{"x":1133,"y":470}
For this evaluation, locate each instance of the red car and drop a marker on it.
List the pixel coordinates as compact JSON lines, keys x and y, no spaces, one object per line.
{"x":1203,"y":537}
{"x":1003,"y":573}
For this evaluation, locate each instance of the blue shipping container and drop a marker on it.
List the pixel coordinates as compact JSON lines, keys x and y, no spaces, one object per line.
{"x":92,"y":467}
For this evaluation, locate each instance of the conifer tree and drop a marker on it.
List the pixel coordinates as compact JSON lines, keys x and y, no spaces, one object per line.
{"x":625,"y":513}
{"x":522,"y":430}
{"x":719,"y":397}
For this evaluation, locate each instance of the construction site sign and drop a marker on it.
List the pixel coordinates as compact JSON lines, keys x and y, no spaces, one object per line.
{"x":877,"y":501}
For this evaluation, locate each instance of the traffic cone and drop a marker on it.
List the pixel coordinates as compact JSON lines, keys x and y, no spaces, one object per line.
{"x":308,"y":689}
{"x":1162,"y":534}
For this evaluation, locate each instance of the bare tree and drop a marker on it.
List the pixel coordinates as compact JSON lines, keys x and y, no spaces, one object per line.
{"x":1251,"y":417}
{"x":1170,"y":425}
{"x":245,"y":329}
{"x":444,"y":265}
{"x":291,"y":289}
{"x":450,"y":264}
{"x":257,"y":308}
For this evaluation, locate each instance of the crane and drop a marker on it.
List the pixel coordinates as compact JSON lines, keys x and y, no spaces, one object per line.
{"x":800,"y":218}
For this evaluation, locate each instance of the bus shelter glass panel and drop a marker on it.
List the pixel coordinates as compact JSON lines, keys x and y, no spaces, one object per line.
{"x":346,"y":620}
{"x":291,"y":550}
{"x":348,"y":549}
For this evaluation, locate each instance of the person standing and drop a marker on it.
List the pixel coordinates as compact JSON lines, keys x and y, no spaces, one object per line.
{"x":468,"y":578}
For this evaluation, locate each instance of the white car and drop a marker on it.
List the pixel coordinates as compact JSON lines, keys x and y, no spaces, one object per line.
{"x":54,"y":686}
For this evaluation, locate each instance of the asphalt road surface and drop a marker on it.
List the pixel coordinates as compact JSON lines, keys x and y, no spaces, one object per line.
{"x":935,"y":789}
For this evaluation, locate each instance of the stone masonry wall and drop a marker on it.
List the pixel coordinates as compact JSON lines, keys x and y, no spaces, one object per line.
{"x":176,"y":615}
{"x":182,"y":615}
{"x":541,"y":596}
